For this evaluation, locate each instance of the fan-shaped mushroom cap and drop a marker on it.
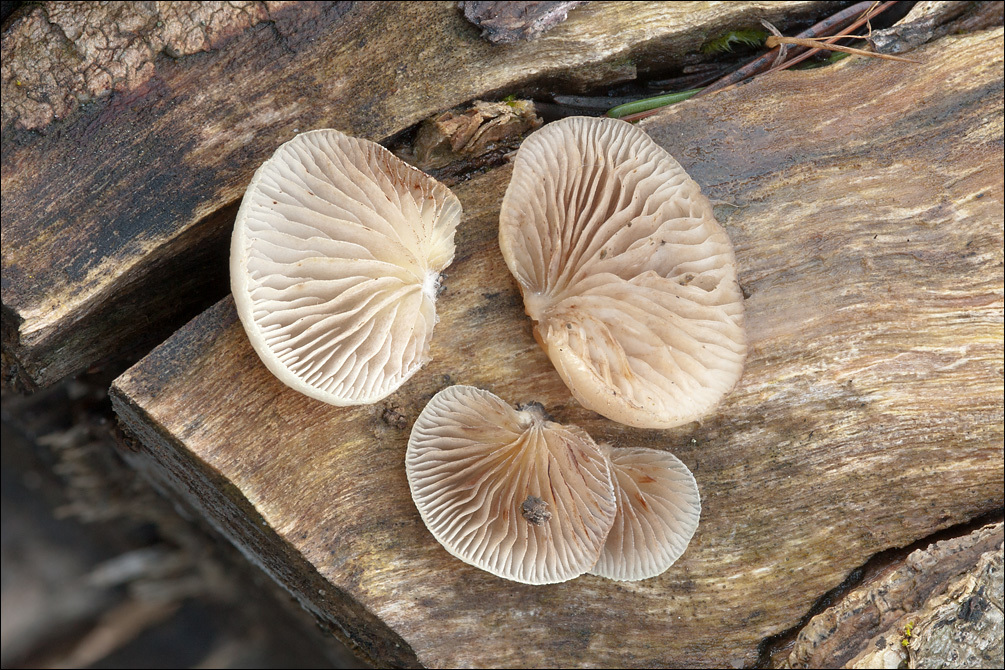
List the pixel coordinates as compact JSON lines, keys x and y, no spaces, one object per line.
{"x":507,"y":490}
{"x":334,"y":263}
{"x":658,"y":510}
{"x":630,"y":280}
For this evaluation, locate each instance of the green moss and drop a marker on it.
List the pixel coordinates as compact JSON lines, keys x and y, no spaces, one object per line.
{"x":906,"y":640}
{"x":743,"y":37}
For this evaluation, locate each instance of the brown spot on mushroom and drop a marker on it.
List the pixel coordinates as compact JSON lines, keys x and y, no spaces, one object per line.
{"x":535,"y":510}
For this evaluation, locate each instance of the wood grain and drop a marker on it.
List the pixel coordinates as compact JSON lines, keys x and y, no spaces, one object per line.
{"x":865,"y":202}
{"x":129,"y":133}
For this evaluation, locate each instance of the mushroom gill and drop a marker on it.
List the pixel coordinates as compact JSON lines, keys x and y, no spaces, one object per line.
{"x":507,"y":490}
{"x":335,"y":260}
{"x":658,"y":511}
{"x":628,"y":277}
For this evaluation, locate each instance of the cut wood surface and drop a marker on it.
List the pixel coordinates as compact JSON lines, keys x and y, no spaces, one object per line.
{"x":865,"y":202}
{"x":129,"y":133}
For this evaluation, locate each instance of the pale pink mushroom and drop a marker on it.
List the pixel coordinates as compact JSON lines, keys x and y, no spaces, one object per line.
{"x":508,"y":490}
{"x":658,"y":510}
{"x":335,"y":260}
{"x":628,"y":277}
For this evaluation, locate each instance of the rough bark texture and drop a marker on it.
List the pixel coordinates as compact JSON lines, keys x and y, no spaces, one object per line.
{"x":870,"y":625}
{"x":504,"y":22}
{"x":465,"y":137}
{"x":964,"y":627}
{"x":931,"y":19}
{"x":130,"y":130}
{"x":865,"y":202}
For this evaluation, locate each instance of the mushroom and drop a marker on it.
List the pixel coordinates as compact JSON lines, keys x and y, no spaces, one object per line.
{"x":658,"y":510}
{"x":509,"y":491}
{"x":628,"y":277}
{"x":335,"y":263}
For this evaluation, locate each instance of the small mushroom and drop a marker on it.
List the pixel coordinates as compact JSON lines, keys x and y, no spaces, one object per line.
{"x":507,"y":490}
{"x":658,"y":510}
{"x":628,"y":277}
{"x":335,"y":263}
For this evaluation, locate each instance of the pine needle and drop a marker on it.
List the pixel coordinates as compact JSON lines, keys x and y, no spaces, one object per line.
{"x":818,"y":43}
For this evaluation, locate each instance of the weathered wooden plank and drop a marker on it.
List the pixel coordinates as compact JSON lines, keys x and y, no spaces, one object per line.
{"x":128,"y":131}
{"x":866,"y":208}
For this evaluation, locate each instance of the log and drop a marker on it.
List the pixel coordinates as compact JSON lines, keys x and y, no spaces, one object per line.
{"x":129,"y":134}
{"x":865,"y":202}
{"x":964,"y":626}
{"x":880,"y":623}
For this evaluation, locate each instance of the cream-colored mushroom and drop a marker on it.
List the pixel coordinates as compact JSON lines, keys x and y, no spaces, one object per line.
{"x":334,"y":265}
{"x":628,"y":277}
{"x":658,"y":510}
{"x":508,"y":490}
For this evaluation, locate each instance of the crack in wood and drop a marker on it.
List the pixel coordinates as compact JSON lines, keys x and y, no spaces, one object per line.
{"x":772,"y":651}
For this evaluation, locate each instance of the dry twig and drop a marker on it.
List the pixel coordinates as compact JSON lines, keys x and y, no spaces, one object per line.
{"x":762,"y":63}
{"x":875,"y":10}
{"x":813,"y":43}
{"x":810,"y":41}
